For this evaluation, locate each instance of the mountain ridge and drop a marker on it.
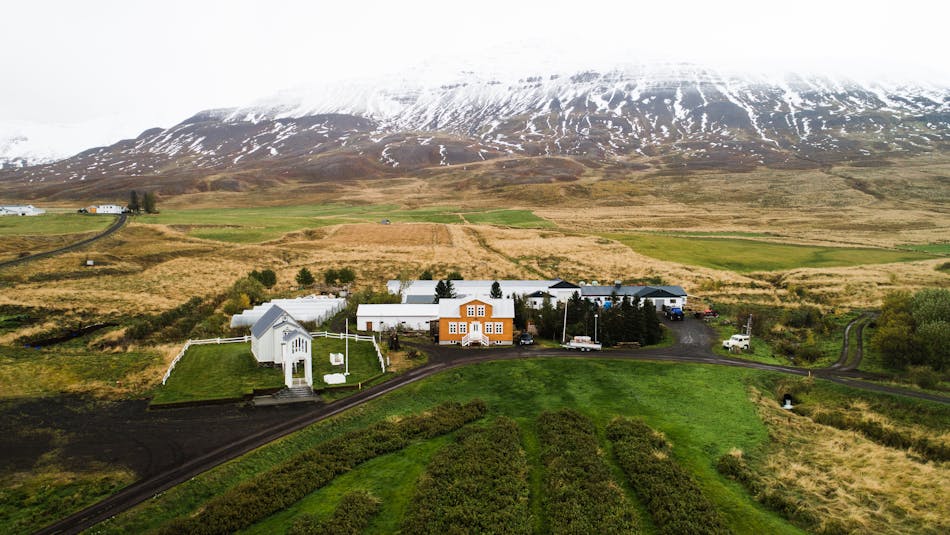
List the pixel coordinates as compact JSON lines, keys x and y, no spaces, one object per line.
{"x":687,"y":119}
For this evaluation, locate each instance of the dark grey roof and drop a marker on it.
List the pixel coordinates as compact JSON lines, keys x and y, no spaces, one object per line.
{"x":539,"y":293}
{"x":268,"y":319}
{"x":633,"y":291}
{"x":420,"y":299}
{"x":564,"y":284}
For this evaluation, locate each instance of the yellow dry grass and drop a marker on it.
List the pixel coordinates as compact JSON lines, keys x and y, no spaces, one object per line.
{"x":396,"y":234}
{"x":849,"y":482}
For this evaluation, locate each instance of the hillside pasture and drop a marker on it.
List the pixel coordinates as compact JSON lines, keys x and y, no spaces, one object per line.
{"x":52,"y":223}
{"x":748,"y":255}
{"x":254,"y":225}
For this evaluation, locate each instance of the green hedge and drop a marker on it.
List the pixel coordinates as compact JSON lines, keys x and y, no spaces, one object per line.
{"x":478,"y":484}
{"x":674,"y":500}
{"x":297,"y":477}
{"x":581,"y":496}
{"x":351,"y":517}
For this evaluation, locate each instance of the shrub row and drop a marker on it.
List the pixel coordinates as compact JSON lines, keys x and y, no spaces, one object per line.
{"x":478,"y":484}
{"x":351,"y":517}
{"x":674,"y":500}
{"x":172,"y":325}
{"x":580,"y":493}
{"x":891,"y":437}
{"x":290,"y":481}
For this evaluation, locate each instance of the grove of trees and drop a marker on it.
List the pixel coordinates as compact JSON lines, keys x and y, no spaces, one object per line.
{"x":914,"y":329}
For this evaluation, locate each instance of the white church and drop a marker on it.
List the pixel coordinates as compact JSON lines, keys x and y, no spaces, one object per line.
{"x":277,"y":338}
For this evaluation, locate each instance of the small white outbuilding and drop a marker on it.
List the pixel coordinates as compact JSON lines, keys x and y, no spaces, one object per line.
{"x":277,"y":338}
{"x":21,"y":209}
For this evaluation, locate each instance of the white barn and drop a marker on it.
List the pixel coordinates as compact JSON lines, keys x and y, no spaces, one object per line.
{"x":316,"y":308}
{"x":277,"y":338}
{"x":383,"y":317}
{"x":21,"y":209}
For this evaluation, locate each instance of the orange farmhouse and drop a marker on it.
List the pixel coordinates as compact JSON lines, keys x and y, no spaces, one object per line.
{"x":482,"y":321}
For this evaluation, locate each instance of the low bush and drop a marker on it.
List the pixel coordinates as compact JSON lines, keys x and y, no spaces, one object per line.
{"x":351,"y":517}
{"x":290,"y":481}
{"x":479,"y":482}
{"x":733,"y":466}
{"x":673,"y":498}
{"x":580,"y":493}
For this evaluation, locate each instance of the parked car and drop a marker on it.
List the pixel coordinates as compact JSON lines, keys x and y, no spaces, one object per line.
{"x":525,"y":339}
{"x":737,"y":340}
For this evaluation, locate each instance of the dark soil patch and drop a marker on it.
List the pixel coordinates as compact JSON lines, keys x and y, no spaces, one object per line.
{"x":123,"y":433}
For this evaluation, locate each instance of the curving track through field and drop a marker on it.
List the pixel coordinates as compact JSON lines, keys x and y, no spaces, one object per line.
{"x":112,"y":229}
{"x":694,"y":336}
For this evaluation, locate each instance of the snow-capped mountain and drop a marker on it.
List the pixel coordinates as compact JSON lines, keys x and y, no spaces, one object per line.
{"x":675,"y":116}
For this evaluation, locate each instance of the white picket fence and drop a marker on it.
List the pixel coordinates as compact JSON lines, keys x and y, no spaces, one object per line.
{"x":244,"y":339}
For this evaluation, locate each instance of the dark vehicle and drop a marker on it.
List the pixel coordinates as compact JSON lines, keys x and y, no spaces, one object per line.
{"x":674,"y":313}
{"x":525,"y":339}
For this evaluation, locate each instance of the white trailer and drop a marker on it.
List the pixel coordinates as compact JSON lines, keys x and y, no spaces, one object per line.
{"x":582,"y":343}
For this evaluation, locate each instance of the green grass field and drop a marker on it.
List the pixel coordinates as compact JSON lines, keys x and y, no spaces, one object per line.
{"x":508,"y":218}
{"x":747,"y":255}
{"x":48,"y":224}
{"x":26,"y":372}
{"x":253,"y":225}
{"x":933,"y":248}
{"x":704,"y":411}
{"x":210,"y":372}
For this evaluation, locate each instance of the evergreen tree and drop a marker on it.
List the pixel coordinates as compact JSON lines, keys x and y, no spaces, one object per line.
{"x":495,"y":290}
{"x":346,"y":275}
{"x":134,"y":205}
{"x":521,"y":312}
{"x":148,"y":203}
{"x":440,"y":291}
{"x":267,"y":277}
{"x":547,"y":319}
{"x":454,"y":276}
{"x":426,"y":275}
{"x":330,"y":276}
{"x":449,"y":289}
{"x":304,"y":278}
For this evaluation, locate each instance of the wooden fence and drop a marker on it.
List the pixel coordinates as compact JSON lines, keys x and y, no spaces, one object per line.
{"x":243,"y":339}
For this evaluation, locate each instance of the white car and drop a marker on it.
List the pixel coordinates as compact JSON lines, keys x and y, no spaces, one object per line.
{"x":737,"y":340}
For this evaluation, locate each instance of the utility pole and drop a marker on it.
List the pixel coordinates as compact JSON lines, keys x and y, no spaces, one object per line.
{"x":595,"y":327}
{"x":748,"y":326}
{"x":564,"y":329}
{"x":346,"y":337}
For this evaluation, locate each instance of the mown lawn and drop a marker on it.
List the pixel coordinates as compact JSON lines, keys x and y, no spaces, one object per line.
{"x":508,"y":218}
{"x":254,"y":225}
{"x":704,"y":411}
{"x":748,"y":255}
{"x":216,"y":371}
{"x":53,"y":224}
{"x":363,"y":361}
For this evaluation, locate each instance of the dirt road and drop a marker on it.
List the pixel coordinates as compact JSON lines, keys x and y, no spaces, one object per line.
{"x":115,"y":226}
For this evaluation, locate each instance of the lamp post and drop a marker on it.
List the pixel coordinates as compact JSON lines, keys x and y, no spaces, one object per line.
{"x":595,"y":327}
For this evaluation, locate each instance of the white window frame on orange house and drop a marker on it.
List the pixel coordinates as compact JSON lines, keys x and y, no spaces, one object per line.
{"x":480,"y":311}
{"x":453,"y":327}
{"x":463,"y":327}
{"x":470,"y":310}
{"x":499,"y":327}
{"x":489,"y":327}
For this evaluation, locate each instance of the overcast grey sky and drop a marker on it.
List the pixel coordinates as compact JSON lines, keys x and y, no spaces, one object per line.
{"x":122,"y":66}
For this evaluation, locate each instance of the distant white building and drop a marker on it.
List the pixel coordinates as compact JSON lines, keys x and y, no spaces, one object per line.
{"x":423,"y":291}
{"x":316,"y":308}
{"x":672,"y":296}
{"x":21,"y":209}
{"x":277,"y":338}
{"x":105,"y":209}
{"x":383,"y":317}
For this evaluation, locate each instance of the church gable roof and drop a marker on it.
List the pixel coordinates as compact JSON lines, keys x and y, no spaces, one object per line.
{"x":270,"y":318}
